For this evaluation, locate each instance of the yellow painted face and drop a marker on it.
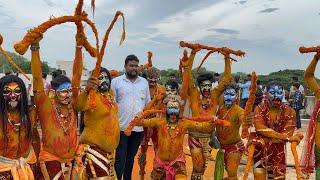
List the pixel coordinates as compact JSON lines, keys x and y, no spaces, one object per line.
{"x":12,"y":94}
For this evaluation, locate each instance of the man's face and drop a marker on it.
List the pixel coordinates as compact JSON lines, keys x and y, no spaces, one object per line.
{"x":172,"y":78}
{"x":216,"y":78}
{"x":12,"y":94}
{"x":104,"y":82}
{"x":172,"y":111}
{"x":229,"y":97}
{"x":170,"y":91}
{"x":132,"y":69}
{"x":64,"y":93}
{"x":293,"y":81}
{"x":275,"y":95}
{"x":205,"y":88}
{"x":153,"y":81}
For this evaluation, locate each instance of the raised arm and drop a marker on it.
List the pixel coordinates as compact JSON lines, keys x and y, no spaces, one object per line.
{"x":42,"y":101}
{"x":154,"y":103}
{"x":186,"y":75}
{"x":36,"y":69}
{"x":76,"y":73}
{"x":227,"y":78}
{"x":188,"y":84}
{"x":309,"y":76}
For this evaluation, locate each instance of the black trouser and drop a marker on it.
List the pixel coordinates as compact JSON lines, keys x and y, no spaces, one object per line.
{"x":243,"y":102}
{"x":298,"y":120}
{"x":125,"y":153}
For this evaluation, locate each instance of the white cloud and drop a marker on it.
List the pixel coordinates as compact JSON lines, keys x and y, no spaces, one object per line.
{"x":270,"y":39}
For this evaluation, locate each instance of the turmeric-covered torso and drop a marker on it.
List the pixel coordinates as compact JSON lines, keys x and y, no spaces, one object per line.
{"x":54,"y":138}
{"x":230,"y":134}
{"x":101,"y":124}
{"x":170,"y":143}
{"x":11,"y":149}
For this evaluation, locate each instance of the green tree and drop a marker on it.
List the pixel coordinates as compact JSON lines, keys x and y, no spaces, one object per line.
{"x":22,"y":62}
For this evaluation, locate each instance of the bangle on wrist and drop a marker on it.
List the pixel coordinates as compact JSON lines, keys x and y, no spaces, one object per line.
{"x":34,"y":47}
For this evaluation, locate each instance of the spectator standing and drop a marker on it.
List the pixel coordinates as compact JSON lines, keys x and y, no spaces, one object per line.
{"x":172,"y":77}
{"x":131,"y":95}
{"x":293,"y":82}
{"x":297,"y":103}
{"x":216,"y":78}
{"x":245,"y":87}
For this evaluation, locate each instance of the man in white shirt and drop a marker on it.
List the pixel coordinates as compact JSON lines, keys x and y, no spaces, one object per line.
{"x":294,"y":81}
{"x":216,"y":78}
{"x":131,"y":95}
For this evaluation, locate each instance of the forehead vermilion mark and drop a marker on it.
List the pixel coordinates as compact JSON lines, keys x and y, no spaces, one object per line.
{"x":12,"y":86}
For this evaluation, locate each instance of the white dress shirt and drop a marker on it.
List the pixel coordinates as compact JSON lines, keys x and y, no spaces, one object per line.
{"x":131,"y":98}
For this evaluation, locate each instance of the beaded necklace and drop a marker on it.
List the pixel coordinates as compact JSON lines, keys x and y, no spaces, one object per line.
{"x":64,"y":119}
{"x":15,"y":126}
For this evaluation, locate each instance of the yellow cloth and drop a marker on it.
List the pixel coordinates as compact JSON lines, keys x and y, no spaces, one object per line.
{"x":19,"y":168}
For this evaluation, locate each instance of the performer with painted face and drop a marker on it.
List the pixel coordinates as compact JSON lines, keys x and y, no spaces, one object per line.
{"x":157,"y":92}
{"x":229,"y":137}
{"x":310,"y":156}
{"x":57,"y":120}
{"x":101,"y":133}
{"x":274,"y":123}
{"x":17,"y":130}
{"x":203,"y":101}
{"x":169,"y":162}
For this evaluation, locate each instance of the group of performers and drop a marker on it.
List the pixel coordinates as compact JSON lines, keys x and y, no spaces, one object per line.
{"x":59,"y":151}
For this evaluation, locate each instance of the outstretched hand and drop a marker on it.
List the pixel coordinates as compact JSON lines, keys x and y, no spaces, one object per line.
{"x":92,"y":84}
{"x":296,"y":138}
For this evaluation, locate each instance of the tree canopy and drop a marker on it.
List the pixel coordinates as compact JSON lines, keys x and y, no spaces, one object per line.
{"x":22,"y":62}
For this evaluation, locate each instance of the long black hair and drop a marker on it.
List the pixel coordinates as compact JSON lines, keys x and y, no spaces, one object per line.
{"x":22,"y":106}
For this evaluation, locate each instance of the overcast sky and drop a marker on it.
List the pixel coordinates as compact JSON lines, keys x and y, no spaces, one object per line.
{"x":269,"y":31}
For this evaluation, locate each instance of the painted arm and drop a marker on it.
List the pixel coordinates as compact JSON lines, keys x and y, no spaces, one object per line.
{"x":309,"y":76}
{"x":148,"y":64}
{"x":192,"y":88}
{"x":157,"y":99}
{"x":213,"y":119}
{"x":42,"y":101}
{"x":76,"y":73}
{"x":216,"y":93}
{"x":205,"y":127}
{"x":290,"y":124}
{"x":138,"y":118}
{"x":153,"y":122}
{"x":263,"y":130}
{"x":81,"y":103}
{"x":186,"y":76}
{"x":37,"y":70}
